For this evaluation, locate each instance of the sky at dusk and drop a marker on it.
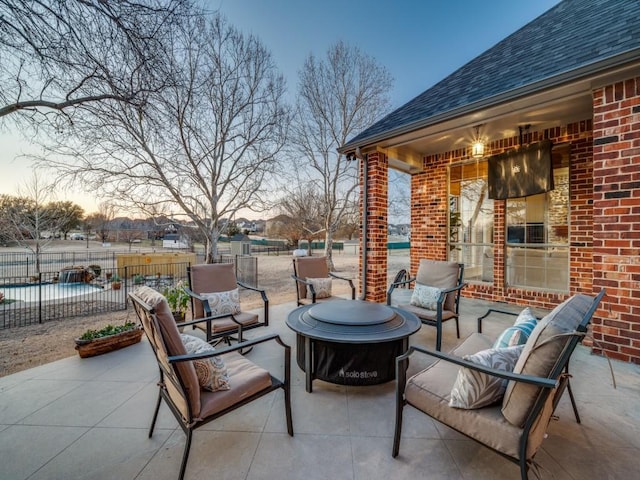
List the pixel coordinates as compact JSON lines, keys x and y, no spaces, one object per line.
{"x":419,"y":42}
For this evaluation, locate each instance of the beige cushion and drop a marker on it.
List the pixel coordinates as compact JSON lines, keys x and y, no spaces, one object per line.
{"x":169,"y":343}
{"x":226,"y":324}
{"x":246,"y":378}
{"x":425,"y":296}
{"x":223,"y":303}
{"x":541,"y":353}
{"x":322,"y":287}
{"x":211,"y":277}
{"x":439,"y":274}
{"x":309,"y":267}
{"x":474,"y":389}
{"x":211,"y":372}
{"x":429,"y":391}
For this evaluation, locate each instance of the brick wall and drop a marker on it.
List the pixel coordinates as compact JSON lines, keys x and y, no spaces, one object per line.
{"x":616,"y":209}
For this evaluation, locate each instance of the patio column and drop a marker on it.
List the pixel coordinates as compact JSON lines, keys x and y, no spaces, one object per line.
{"x":616,"y":230}
{"x":376,"y":168}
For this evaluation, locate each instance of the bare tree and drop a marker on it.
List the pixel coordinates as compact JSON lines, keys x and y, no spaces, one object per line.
{"x":205,"y":146}
{"x":31,"y":218}
{"x":66,"y":215}
{"x":300,"y":209}
{"x":100,"y":221}
{"x":58,"y":56}
{"x":338,"y":97}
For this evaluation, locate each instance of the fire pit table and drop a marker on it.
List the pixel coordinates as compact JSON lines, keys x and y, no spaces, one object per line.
{"x":350,"y":342}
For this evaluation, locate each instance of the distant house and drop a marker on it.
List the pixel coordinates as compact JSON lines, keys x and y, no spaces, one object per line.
{"x":175,"y":240}
{"x":524,"y":165}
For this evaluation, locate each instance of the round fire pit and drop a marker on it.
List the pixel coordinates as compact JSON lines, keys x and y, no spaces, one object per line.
{"x":351,"y":342}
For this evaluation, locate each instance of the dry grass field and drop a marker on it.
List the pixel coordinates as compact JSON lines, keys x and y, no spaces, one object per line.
{"x":26,"y":347}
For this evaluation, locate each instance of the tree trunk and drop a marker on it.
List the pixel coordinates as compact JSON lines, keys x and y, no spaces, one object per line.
{"x":328,"y":249}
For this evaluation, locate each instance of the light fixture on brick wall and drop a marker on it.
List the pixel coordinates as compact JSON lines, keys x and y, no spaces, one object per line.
{"x":477,"y":147}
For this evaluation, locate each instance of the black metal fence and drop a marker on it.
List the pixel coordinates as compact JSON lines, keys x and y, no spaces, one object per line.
{"x":82,"y":291}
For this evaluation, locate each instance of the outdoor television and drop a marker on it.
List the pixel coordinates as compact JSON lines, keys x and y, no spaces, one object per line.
{"x":522,"y":172}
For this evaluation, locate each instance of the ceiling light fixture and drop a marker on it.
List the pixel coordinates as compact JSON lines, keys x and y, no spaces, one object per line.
{"x":477,"y":147}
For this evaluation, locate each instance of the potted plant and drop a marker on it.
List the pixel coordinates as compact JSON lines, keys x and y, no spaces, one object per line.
{"x":178,"y":300}
{"x":107,"y":339}
{"x":138,"y":279}
{"x":116,"y":281}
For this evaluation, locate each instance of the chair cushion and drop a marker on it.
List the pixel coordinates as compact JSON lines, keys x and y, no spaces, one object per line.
{"x":226,"y":324}
{"x":309,"y":267}
{"x":322,"y":287}
{"x":442,"y":275}
{"x":223,"y":303}
{"x":430,"y":389}
{"x":519,"y":333}
{"x":211,"y":372}
{"x":425,"y":297}
{"x":474,"y":389}
{"x":541,"y":353}
{"x":247,"y":379}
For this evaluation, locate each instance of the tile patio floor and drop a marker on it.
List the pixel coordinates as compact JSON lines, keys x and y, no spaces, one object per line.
{"x":88,"y":418}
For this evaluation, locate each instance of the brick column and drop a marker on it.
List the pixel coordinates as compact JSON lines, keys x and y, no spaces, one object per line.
{"x":429,"y":212}
{"x":616,"y":229}
{"x":377,"y":226}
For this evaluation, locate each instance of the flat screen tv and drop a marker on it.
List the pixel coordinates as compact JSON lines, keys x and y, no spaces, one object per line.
{"x":522,"y":172}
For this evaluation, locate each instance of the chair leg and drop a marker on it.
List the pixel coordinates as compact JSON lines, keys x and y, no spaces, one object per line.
{"x":573,"y":402}
{"x":185,"y":455}
{"x":287,"y":410}
{"x":524,"y":469}
{"x":457,"y":328}
{"x":438,"y":336}
{"x":155,"y":413}
{"x":398,"y":429}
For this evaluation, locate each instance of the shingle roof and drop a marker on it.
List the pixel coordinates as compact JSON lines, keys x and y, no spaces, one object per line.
{"x":567,"y":38}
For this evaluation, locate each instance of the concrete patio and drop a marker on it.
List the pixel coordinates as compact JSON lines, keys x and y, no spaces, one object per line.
{"x":88,"y":418}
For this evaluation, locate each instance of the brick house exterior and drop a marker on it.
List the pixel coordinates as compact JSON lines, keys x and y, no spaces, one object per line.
{"x":590,"y":104}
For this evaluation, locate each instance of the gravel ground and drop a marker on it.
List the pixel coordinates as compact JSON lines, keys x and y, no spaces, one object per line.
{"x":26,"y":347}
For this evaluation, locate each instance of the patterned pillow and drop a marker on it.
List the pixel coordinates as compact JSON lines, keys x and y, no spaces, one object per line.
{"x":474,"y":389}
{"x":322,"y":287}
{"x":223,"y":303}
{"x":519,"y":333}
{"x":425,"y":297}
{"x":211,"y":372}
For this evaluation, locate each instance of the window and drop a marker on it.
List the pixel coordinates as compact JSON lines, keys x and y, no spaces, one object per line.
{"x":538,"y":233}
{"x":471,"y":220}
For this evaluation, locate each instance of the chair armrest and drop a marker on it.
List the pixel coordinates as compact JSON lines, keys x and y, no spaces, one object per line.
{"x":221,"y":351}
{"x":265,"y":299}
{"x":349,"y":280}
{"x":530,"y":379}
{"x":444,"y":291}
{"x":394,"y":285}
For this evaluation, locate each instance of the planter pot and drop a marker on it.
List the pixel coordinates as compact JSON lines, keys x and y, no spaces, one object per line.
{"x":116,"y":285}
{"x":98,"y":346}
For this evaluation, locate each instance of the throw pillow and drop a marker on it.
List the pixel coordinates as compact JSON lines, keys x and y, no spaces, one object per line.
{"x":211,"y":372}
{"x":474,"y":389}
{"x":224,"y":303}
{"x":322,"y":287}
{"x":519,"y":333}
{"x":425,"y":297}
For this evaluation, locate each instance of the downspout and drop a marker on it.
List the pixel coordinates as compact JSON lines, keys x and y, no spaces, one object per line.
{"x":365,"y":204}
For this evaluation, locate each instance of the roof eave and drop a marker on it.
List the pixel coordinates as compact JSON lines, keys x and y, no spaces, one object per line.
{"x":596,"y":70}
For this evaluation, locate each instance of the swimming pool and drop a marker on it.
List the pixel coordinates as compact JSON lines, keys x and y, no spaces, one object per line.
{"x":48,"y":291}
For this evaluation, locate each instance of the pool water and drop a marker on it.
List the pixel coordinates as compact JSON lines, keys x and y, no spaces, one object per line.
{"x":48,"y":291}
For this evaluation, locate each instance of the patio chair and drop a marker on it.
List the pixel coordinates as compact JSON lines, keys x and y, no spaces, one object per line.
{"x":512,"y":401}
{"x":180,"y":384}
{"x":215,"y":301}
{"x":313,"y":280}
{"x":435,"y":297}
